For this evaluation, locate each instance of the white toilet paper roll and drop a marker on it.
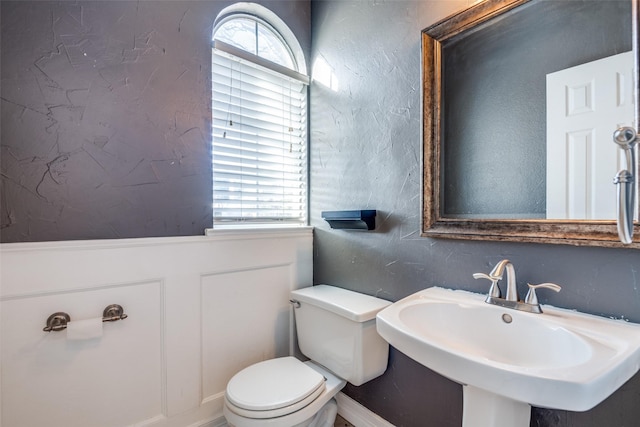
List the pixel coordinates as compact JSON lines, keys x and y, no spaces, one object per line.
{"x":84,"y":329}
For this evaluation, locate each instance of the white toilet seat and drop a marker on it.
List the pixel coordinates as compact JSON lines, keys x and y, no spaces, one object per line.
{"x":273,"y":388}
{"x":331,"y":387}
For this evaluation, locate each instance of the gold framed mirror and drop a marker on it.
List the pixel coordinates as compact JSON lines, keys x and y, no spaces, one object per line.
{"x":455,"y":175}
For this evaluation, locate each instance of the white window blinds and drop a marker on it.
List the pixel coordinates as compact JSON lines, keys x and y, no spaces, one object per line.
{"x":259,"y":144}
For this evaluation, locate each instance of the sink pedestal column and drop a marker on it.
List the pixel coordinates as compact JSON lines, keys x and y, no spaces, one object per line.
{"x":482,"y":408}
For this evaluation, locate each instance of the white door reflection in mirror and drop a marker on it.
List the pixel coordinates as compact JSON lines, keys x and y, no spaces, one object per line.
{"x":585,"y":105}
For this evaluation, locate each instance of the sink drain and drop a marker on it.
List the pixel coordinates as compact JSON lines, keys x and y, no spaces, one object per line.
{"x":506,"y":318}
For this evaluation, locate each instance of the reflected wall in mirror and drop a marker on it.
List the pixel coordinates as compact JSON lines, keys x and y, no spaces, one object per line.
{"x":512,"y":150}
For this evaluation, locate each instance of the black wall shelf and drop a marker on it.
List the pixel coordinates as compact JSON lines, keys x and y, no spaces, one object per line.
{"x":351,"y":220}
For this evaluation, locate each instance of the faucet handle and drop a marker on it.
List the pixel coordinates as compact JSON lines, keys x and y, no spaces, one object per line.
{"x":532,"y":298}
{"x":494,"y":290}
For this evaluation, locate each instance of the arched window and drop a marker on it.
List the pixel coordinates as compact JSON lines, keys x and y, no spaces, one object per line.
{"x":259,"y":121}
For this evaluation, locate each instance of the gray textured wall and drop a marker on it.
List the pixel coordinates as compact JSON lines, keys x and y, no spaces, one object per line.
{"x":365,"y":154}
{"x":106,"y":116}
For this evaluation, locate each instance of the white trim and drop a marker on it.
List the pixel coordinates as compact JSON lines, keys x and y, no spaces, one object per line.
{"x":248,"y":232}
{"x":216,"y":422}
{"x":357,"y":414}
{"x":210,"y":235}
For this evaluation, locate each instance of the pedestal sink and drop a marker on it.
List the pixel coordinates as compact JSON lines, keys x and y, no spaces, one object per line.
{"x":508,"y":360}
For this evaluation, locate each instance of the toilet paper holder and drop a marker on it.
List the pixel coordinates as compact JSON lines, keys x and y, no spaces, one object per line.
{"x":58,"y":321}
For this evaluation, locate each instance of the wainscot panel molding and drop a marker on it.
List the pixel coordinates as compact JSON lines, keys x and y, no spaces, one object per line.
{"x":199,"y":309}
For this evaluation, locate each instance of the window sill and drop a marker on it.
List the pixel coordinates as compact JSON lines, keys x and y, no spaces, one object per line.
{"x":244,"y":232}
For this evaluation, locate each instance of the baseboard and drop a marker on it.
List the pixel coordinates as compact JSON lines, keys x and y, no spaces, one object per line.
{"x":217,"y":422}
{"x":357,"y":414}
{"x":348,"y":409}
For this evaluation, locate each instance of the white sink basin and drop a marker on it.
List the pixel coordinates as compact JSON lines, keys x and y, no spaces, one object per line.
{"x":559,"y":359}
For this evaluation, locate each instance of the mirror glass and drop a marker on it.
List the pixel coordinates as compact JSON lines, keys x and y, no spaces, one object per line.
{"x":519,"y":119}
{"x":501,"y":159}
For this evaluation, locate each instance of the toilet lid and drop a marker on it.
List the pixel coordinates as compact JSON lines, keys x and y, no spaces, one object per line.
{"x":273,"y":384}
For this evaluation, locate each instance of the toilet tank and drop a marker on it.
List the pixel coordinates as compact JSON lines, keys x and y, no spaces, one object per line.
{"x":337,"y":329}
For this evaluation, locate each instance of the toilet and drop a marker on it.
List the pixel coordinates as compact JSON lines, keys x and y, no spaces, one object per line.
{"x":336,"y":329}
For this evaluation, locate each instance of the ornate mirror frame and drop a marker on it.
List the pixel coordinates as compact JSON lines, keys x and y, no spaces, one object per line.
{"x":569,"y":232}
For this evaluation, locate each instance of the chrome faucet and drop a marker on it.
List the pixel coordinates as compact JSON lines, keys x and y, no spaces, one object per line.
{"x":511,"y":300}
{"x":512,"y":289}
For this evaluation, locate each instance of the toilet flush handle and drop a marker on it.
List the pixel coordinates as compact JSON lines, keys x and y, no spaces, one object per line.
{"x":295,"y":302}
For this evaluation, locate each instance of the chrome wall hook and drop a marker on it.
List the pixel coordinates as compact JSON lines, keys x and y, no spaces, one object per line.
{"x":113,"y":312}
{"x":57,"y":321}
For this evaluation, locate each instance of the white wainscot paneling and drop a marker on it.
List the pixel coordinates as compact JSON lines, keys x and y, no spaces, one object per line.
{"x":113,"y":380}
{"x":200,"y":309}
{"x":245,"y":319}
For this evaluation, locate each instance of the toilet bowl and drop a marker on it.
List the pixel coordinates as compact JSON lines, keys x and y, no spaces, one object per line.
{"x":282,"y":392}
{"x":336,"y":330}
